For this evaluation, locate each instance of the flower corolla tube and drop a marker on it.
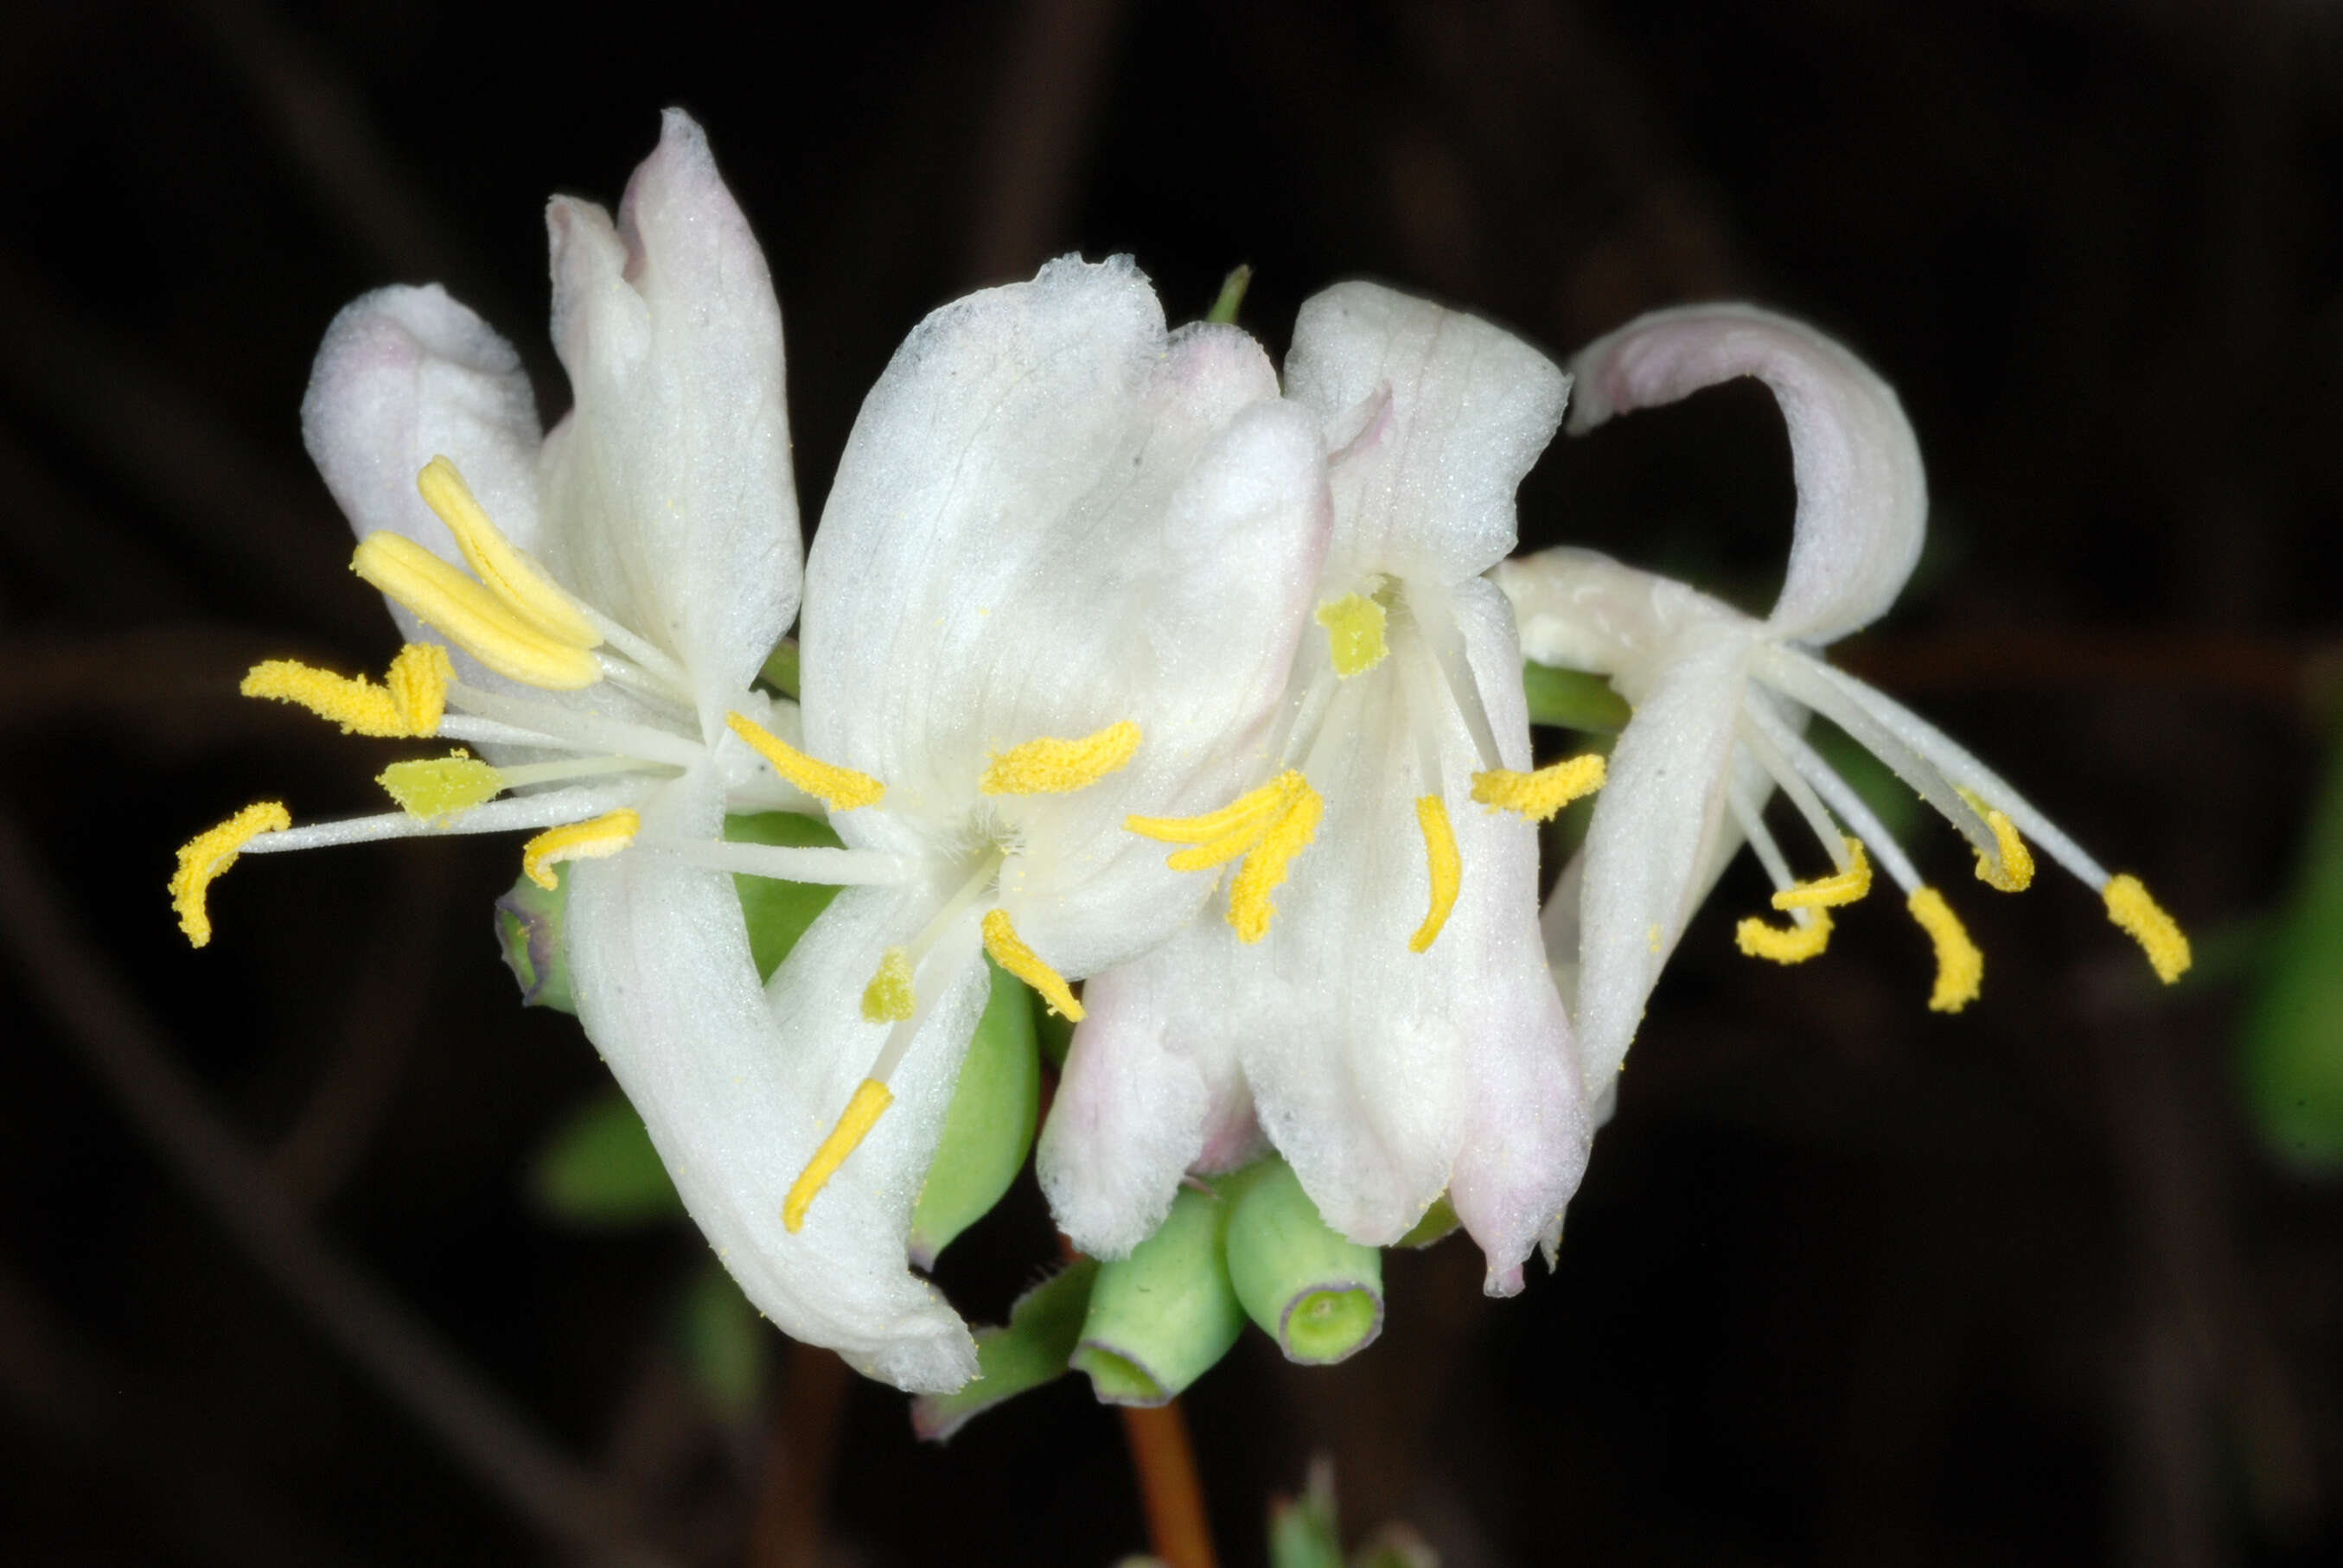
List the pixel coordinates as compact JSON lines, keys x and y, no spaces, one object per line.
{"x":1721,"y":699}
{"x":1388,"y":1018}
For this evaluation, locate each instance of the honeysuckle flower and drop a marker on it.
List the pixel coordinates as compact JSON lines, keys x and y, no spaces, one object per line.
{"x":1720,"y":699}
{"x":628,"y":574}
{"x":1389,"y":1020}
{"x":1058,"y":580}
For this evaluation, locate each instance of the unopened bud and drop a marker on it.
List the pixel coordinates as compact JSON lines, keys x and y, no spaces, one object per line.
{"x":1314,"y":1290}
{"x":529,"y":931}
{"x":988,"y":1127}
{"x":1161,"y":1318}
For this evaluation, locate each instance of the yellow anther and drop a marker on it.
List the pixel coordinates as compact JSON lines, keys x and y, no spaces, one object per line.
{"x":887,"y":998}
{"x":840,"y":789}
{"x":1539,"y":795}
{"x":1355,"y":633}
{"x":206,"y":855}
{"x":1445,"y":866}
{"x":1265,"y":865}
{"x":508,"y":573}
{"x":2145,"y":921}
{"x":1052,"y":767}
{"x":433,"y":787}
{"x":2010,"y":867}
{"x":871,"y":1099}
{"x":1790,"y":944}
{"x":1960,"y":966}
{"x":1248,"y":814}
{"x":1010,"y":951}
{"x":588,"y":841}
{"x":471,"y":617}
{"x":1829,"y":892}
{"x":407,"y":706}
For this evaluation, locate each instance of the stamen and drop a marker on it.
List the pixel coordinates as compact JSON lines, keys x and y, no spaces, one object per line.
{"x":1446,"y":869}
{"x":1265,"y":865}
{"x":1538,"y":796}
{"x":840,"y":789}
{"x":888,"y":998}
{"x":204,"y":858}
{"x":1960,"y":966}
{"x":469,"y":616}
{"x":592,"y":839}
{"x":436,"y":787}
{"x":1246,"y":814}
{"x":508,"y":573}
{"x":1354,"y":634}
{"x":1829,"y":892}
{"x":1791,"y":944}
{"x":407,"y":705}
{"x":1010,"y":951}
{"x":1052,"y":767}
{"x":871,"y":1099}
{"x":2144,"y":921}
{"x":2010,"y":869}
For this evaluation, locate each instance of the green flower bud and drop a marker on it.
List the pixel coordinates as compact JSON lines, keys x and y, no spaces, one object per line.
{"x":1439,"y":1223}
{"x":1034,"y":1348}
{"x":1159,"y":1318}
{"x":1318,"y":1294}
{"x":988,"y":1127}
{"x":528,"y":929}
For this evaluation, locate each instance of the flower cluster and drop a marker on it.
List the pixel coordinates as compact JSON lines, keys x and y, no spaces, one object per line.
{"x":1120,"y":661}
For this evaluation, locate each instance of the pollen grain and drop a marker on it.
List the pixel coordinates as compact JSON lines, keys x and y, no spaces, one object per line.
{"x":205,"y":857}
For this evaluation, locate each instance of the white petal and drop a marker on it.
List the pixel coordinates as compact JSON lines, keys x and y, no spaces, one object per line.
{"x":1053,"y":517}
{"x":405,"y":375}
{"x":1580,"y":610}
{"x":1434,"y":417}
{"x":1653,"y":840}
{"x":670,"y":502}
{"x":1863,"y":499}
{"x":736,"y":1090}
{"x":1142,"y":1096}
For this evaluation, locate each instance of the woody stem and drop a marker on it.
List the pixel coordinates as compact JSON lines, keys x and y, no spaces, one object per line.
{"x":1165,"y":1464}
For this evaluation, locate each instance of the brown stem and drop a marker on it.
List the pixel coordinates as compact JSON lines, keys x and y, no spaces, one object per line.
{"x":1165,"y":1463}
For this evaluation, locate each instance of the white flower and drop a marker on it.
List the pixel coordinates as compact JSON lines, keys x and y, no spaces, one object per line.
{"x":1721,"y":699}
{"x":1390,"y":1015}
{"x":629,"y":573}
{"x":1058,"y":580}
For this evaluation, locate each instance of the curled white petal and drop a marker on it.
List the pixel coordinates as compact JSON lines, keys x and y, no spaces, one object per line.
{"x":1862,"y":493}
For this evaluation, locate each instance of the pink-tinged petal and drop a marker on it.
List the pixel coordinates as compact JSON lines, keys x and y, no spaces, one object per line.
{"x":671,"y":500}
{"x":405,"y":375}
{"x":1863,"y":501}
{"x":1142,"y":1098}
{"x":1433,"y":416}
{"x":1654,"y":840}
{"x":738,"y":1087}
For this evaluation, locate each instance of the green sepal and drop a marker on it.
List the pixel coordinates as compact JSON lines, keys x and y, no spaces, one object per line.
{"x":1439,"y":1223}
{"x":1304,"y":1531}
{"x":1231,"y":298}
{"x":779,"y":913}
{"x":599,"y":1170}
{"x":1161,"y":1318}
{"x":989,"y":1126}
{"x":781,"y":671}
{"x":2290,"y":1059}
{"x":722,"y":1339}
{"x":1035,"y":1347}
{"x":1319,"y":1294}
{"x":1572,"y":699}
{"x":529,"y":932}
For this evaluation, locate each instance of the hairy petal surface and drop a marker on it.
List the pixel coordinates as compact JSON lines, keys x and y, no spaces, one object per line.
{"x":1435,"y":418}
{"x":669,"y":488}
{"x":1862,"y":494}
{"x":738,"y":1088}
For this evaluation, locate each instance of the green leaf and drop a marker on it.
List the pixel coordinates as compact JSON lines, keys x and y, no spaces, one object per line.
{"x":780,"y":671}
{"x":2290,"y":1060}
{"x":989,"y":1126}
{"x":1572,"y":699}
{"x":779,"y":913}
{"x":723,"y":1341}
{"x":1303,"y":1531}
{"x":599,"y":1170}
{"x":1033,"y":1349}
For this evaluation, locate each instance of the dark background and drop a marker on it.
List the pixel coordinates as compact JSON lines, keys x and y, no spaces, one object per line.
{"x":1847,"y":1282}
